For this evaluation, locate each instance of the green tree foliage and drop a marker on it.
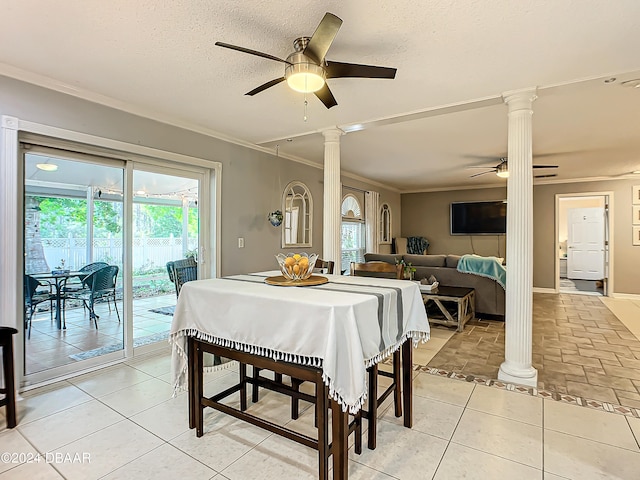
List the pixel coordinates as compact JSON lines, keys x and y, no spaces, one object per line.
{"x":163,"y":220}
{"x":60,"y":217}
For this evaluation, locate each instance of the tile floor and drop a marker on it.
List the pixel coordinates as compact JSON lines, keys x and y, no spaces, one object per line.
{"x":580,"y":348}
{"x":124,"y":421}
{"x":49,"y":347}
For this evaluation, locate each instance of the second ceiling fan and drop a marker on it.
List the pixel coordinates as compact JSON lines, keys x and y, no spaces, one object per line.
{"x":307,"y":69}
{"x":502,"y":170}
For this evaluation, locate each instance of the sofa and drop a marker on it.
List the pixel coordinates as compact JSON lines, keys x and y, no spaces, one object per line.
{"x":489,"y":296}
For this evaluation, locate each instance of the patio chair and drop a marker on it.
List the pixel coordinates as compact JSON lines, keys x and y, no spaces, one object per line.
{"x":33,"y":297}
{"x":182,"y":271}
{"x":87,"y":269}
{"x":101,"y":286}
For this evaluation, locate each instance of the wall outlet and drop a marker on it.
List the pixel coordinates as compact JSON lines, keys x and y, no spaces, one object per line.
{"x":240,"y":242}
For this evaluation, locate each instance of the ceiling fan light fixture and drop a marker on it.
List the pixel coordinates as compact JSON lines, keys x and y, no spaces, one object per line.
{"x":47,"y":167}
{"x":305,"y":77}
{"x":502,"y":171}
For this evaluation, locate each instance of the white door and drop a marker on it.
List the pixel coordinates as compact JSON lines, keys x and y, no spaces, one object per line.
{"x":585,"y":244}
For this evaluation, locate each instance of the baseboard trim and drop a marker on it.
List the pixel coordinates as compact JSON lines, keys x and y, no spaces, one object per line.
{"x":544,"y":290}
{"x":628,"y":296}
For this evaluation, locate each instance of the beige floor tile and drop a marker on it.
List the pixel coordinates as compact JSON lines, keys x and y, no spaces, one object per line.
{"x":164,"y":463}
{"x":357,"y":471}
{"x":634,"y":423}
{"x":589,"y":423}
{"x":516,"y":441}
{"x":521,"y":407}
{"x":109,"y":449}
{"x":442,"y":389}
{"x":578,"y":458}
{"x":69,"y":425}
{"x":431,"y":416}
{"x":166,"y":420}
{"x":154,"y":366}
{"x":403,"y":453}
{"x":463,"y":462}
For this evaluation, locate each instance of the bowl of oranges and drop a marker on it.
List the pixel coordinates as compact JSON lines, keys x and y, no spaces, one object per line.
{"x":296,"y":266}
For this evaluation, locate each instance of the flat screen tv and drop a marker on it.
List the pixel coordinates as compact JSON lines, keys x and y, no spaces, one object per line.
{"x":479,"y":218}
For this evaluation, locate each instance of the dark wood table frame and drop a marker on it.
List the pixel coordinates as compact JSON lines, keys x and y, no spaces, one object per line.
{"x":341,"y":428}
{"x":463,"y":297}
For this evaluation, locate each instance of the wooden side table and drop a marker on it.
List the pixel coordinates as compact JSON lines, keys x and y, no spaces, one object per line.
{"x":463,"y":297}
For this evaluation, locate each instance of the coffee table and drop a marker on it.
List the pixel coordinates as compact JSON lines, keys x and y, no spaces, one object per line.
{"x":463,"y":310}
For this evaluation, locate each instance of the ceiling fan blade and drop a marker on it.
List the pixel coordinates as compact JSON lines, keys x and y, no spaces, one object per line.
{"x":342,"y":70}
{"x":545,"y":166}
{"x":326,"y":97}
{"x":481,"y":173}
{"x":545,"y":176}
{"x":251,"y":52}
{"x":270,"y":84}
{"x":480,"y":166}
{"x":323,"y":37}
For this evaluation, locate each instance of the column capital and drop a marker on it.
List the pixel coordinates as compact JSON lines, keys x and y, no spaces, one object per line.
{"x":520,"y":99}
{"x":332,"y":134}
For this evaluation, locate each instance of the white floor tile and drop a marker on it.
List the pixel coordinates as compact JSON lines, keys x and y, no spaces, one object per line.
{"x":44,"y":401}
{"x":442,"y":389}
{"x":513,"y":405}
{"x":14,"y":444}
{"x":138,"y":397}
{"x":108,"y":380}
{"x":589,"y":423}
{"x":109,"y":449}
{"x":431,"y":416}
{"x":516,"y":441}
{"x":402,"y":452}
{"x":166,"y":420}
{"x":279,"y":459}
{"x":154,"y":366}
{"x":225,"y":440}
{"x":578,"y":458}
{"x":32,"y":471}
{"x":463,"y":462}
{"x":69,"y":425}
{"x":634,"y":423}
{"x":164,"y":463}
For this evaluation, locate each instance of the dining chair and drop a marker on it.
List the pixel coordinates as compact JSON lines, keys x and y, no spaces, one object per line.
{"x":34,"y":297}
{"x":387,"y":270}
{"x":101,"y":286}
{"x":182,"y":271}
{"x":324,"y":266}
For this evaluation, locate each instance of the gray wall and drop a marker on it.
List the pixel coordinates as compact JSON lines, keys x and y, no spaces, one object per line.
{"x":427,"y":214}
{"x":252,"y":181}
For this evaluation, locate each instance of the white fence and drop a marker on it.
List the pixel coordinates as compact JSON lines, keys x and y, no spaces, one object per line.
{"x":148,"y":253}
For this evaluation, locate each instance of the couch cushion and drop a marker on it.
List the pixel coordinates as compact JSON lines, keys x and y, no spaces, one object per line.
{"x":425,"y":260}
{"x":382,"y":257}
{"x":452,"y":261}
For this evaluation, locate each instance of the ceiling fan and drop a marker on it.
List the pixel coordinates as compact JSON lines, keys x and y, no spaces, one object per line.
{"x":307,"y":69}
{"x":502,"y":171}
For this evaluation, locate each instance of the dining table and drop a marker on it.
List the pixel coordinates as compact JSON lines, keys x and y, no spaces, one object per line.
{"x":329,"y":333}
{"x":58,"y":280}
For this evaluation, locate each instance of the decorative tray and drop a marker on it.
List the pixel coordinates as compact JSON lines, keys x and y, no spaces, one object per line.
{"x":280,"y":280}
{"x":429,"y":288}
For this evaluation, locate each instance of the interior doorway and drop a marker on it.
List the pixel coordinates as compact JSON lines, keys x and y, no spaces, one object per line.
{"x":582,"y":244}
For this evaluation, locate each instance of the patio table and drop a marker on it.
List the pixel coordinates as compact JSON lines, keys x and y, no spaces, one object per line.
{"x":58,"y":280}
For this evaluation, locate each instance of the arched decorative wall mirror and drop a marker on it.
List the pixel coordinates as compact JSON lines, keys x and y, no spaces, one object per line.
{"x":385,"y":224}
{"x":297,"y":208}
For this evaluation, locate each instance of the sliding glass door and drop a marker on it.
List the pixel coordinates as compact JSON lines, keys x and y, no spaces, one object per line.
{"x":99,"y":235}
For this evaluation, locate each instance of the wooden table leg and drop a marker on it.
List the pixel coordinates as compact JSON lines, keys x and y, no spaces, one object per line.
{"x":340,"y":432}
{"x":407,"y":381}
{"x":323,"y":429}
{"x":373,"y":407}
{"x":191,"y":382}
{"x":198,"y":389}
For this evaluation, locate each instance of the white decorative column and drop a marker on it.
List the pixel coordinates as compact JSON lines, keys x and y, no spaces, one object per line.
{"x":517,"y":366}
{"x":331,"y":220}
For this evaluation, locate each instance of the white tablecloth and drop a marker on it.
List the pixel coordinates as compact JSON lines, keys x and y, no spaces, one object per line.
{"x":343,"y":326}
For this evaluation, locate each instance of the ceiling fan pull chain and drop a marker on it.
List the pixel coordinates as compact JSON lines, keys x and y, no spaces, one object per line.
{"x":305,"y":107}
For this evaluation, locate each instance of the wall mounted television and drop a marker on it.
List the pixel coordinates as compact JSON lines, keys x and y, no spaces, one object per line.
{"x":479,"y":218}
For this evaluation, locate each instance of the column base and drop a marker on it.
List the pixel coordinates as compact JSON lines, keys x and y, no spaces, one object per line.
{"x":513,"y":374}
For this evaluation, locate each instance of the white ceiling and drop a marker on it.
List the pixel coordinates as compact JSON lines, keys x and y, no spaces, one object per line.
{"x":442,"y":113}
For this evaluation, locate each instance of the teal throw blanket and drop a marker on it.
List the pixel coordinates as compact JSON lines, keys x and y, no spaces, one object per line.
{"x":489,"y":267}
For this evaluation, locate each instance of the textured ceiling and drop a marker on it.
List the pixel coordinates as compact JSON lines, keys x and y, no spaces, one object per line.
{"x":159,"y":58}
